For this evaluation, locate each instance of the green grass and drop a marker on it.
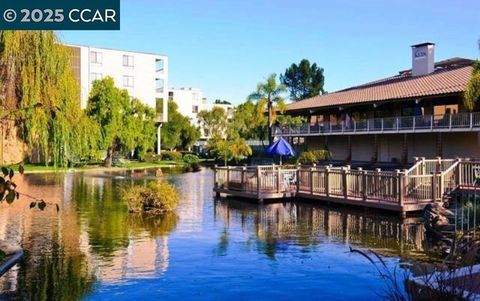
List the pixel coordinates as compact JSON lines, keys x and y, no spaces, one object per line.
{"x":35,"y":168}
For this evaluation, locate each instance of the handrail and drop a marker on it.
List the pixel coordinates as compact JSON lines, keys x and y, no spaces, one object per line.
{"x":445,"y":122}
{"x":419,"y":184}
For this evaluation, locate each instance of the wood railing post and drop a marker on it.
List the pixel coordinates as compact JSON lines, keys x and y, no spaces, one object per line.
{"x":439,"y":164}
{"x":228,"y":177}
{"x":278,"y":179}
{"x":345,"y":182}
{"x":458,"y":173}
{"x":327,"y":182}
{"x":243,"y":185}
{"x":298,"y":177}
{"x":258,"y":182}
{"x":431,"y":122}
{"x":312,"y":169}
{"x":434,"y":186}
{"x":471,"y":120}
{"x":364,"y":184}
{"x":450,"y":121}
{"x":401,"y":187}
{"x":215,"y":181}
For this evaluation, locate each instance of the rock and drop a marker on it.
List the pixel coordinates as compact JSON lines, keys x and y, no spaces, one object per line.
{"x":159,"y":173}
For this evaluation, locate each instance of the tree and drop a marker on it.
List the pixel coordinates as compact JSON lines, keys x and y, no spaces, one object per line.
{"x":35,"y":69}
{"x":239,"y":149}
{"x":471,"y":95}
{"x":178,"y":131}
{"x":268,"y":93}
{"x":214,"y":121}
{"x":125,"y":123}
{"x":303,"y":80}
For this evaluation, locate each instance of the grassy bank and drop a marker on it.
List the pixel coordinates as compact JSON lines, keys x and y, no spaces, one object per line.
{"x":38,"y":168}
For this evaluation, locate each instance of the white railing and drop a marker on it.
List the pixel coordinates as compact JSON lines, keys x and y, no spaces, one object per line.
{"x":423,"y":123}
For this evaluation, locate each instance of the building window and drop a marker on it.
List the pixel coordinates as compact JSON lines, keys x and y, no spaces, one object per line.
{"x":170,"y":95}
{"x":96,"y":57}
{"x":95,"y":76}
{"x":128,"y":81}
{"x":128,"y":60}
{"x":195,"y":109}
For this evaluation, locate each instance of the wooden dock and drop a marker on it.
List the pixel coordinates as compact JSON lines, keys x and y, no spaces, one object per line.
{"x":400,"y":190}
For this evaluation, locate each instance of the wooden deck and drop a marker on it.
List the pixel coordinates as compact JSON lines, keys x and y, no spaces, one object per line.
{"x":400,"y":190}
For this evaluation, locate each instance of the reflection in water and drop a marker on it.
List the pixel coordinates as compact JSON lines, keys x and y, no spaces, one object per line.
{"x":277,"y":226}
{"x":93,"y":246}
{"x":92,"y":238}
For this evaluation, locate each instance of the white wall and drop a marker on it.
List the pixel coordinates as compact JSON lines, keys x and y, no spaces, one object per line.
{"x":144,"y":74}
{"x":187,"y":98}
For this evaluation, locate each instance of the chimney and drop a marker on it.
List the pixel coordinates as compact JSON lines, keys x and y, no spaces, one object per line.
{"x":423,"y":59}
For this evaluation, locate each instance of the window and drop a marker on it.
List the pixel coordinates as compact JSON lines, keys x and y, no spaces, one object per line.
{"x":95,"y":76}
{"x":128,"y":81}
{"x":194,"y":109}
{"x":128,"y":60}
{"x":170,"y":95}
{"x":96,"y":57}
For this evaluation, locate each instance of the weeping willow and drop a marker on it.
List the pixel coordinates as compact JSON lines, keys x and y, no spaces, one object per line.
{"x":40,"y":87}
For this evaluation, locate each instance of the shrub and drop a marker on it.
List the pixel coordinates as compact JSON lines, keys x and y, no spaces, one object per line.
{"x":171,"y":155}
{"x":191,"y":167}
{"x":189,"y":158}
{"x":156,"y":197}
{"x":313,"y":157}
{"x":152,"y":157}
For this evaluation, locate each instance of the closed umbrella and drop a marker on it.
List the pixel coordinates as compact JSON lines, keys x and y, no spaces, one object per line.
{"x":280,"y":148}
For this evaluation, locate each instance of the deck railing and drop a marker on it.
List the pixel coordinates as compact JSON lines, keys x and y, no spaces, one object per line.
{"x":423,"y":123}
{"x":426,"y":181}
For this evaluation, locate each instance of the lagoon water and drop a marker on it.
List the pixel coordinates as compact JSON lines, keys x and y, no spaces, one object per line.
{"x":209,"y":249}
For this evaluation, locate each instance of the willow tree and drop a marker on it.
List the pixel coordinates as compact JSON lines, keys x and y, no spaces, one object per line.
{"x":269,"y":92}
{"x":40,"y":90}
{"x":472,"y":92}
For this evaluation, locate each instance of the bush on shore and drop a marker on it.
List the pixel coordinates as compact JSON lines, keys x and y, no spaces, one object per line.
{"x":171,"y":155}
{"x":190,"y":158}
{"x":313,"y":157}
{"x":156,"y":197}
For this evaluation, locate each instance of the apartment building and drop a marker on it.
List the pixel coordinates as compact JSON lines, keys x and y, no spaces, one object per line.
{"x":416,"y":113}
{"x":191,"y":101}
{"x":143,"y":75}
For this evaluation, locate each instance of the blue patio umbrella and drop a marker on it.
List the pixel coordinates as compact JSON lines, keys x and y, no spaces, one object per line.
{"x":280,"y":148}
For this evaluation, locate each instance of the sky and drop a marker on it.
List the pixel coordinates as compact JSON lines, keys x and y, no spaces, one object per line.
{"x":226,"y":47}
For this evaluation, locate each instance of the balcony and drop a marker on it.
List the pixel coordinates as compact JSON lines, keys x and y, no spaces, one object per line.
{"x":462,"y":122}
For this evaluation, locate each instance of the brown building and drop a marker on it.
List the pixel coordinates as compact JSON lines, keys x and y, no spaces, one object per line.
{"x":416,"y":113}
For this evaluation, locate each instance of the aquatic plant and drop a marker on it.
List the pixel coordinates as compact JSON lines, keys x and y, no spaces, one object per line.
{"x":156,"y":197}
{"x":453,"y":279}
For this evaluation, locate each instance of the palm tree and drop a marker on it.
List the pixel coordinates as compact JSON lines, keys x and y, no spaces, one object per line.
{"x":269,"y":92}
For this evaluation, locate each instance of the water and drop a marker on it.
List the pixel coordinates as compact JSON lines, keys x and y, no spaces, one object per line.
{"x":208,"y":249}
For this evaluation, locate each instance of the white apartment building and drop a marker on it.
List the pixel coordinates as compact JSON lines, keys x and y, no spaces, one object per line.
{"x":143,"y":75}
{"x":190,"y":102}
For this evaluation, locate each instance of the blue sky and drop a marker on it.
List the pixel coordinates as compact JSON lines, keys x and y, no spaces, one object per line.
{"x":227,"y":47}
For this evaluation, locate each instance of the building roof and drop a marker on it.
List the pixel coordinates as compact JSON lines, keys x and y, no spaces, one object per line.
{"x":450,"y":76}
